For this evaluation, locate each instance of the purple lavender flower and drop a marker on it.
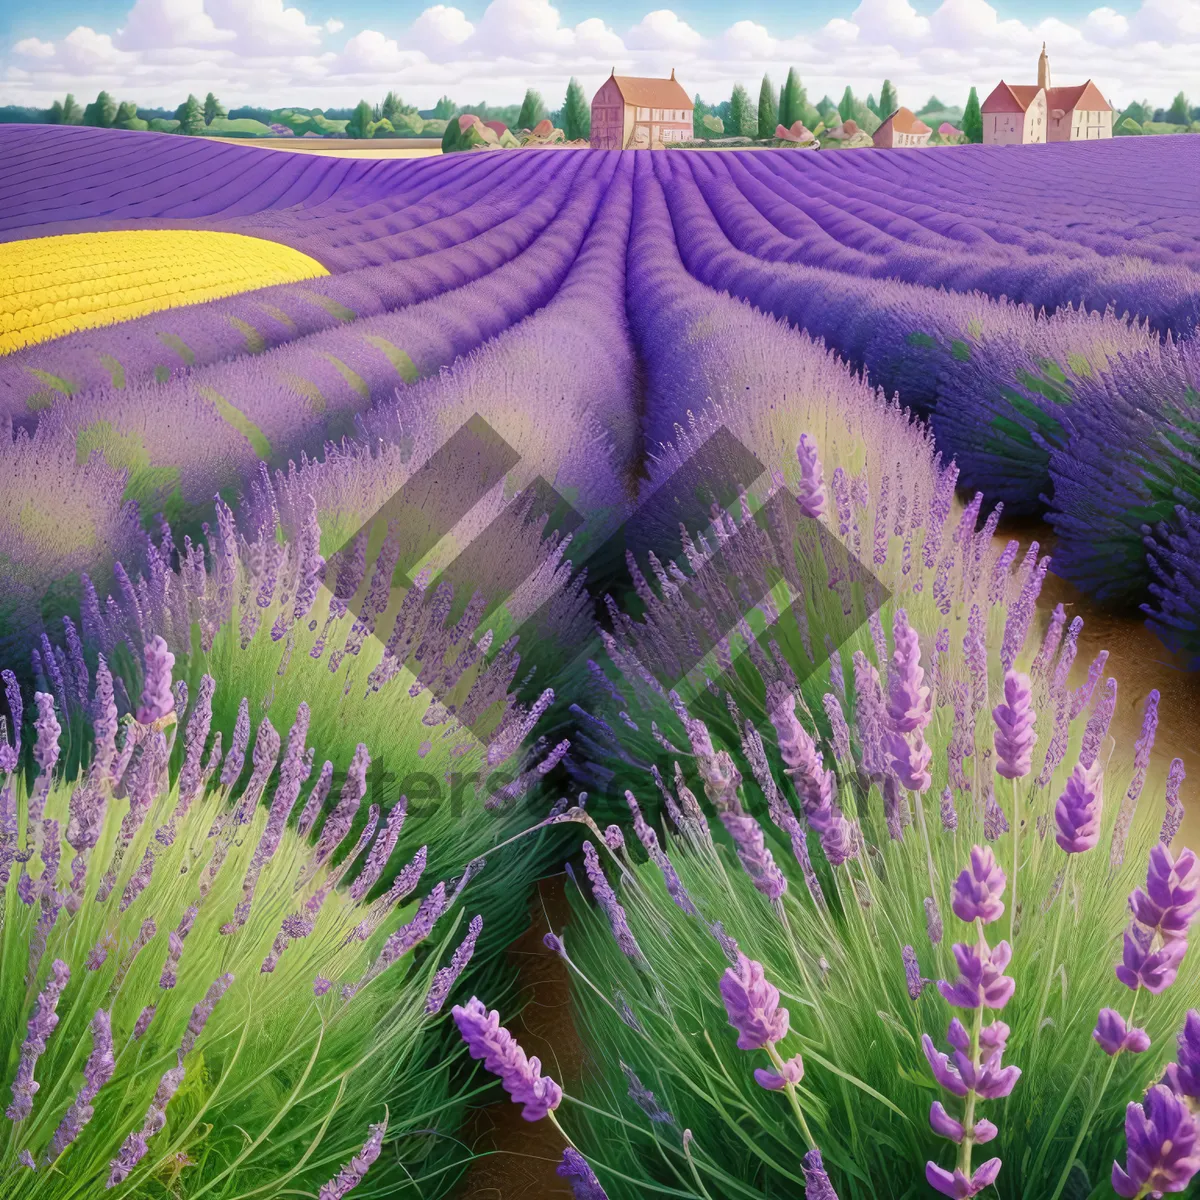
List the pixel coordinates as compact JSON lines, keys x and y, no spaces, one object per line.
{"x":575,"y":1170}
{"x":135,"y":1147}
{"x":45,"y":748}
{"x":841,"y":731}
{"x":977,"y":890}
{"x":97,"y":1071}
{"x":158,"y":701}
{"x":316,"y":799}
{"x":909,"y":756}
{"x":606,"y":898}
{"x":981,"y":980}
{"x":1112,"y":1034}
{"x":41,"y":1025}
{"x":447,"y":976}
{"x":752,"y":1003}
{"x":16,"y":706}
{"x":916,"y":982}
{"x":1050,"y":643}
{"x":1082,"y":696}
{"x":143,"y":1022}
{"x":817,"y":1184}
{"x":521,"y":1077}
{"x":1170,"y":901}
{"x":933,"y":921}
{"x":1098,"y":723}
{"x":1163,"y":1140}
{"x":1141,"y":761}
{"x":1015,"y":736}
{"x":944,"y":1125}
{"x":956,"y":1185}
{"x":235,"y":760}
{"x":909,"y":703}
{"x":811,"y":490}
{"x":1173,"y":816}
{"x":342,"y":817}
{"x":1183,"y":1075}
{"x":1145,"y":965}
{"x":988,"y":1077}
{"x":948,"y":813}
{"x":1078,"y":811}
{"x":201,"y":1013}
{"x":353,"y":1173}
{"x":791,"y":1072}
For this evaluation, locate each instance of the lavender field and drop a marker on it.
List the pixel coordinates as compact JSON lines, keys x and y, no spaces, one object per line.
{"x":941,"y":364}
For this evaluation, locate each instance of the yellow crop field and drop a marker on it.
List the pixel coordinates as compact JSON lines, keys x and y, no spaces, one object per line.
{"x":55,"y":285}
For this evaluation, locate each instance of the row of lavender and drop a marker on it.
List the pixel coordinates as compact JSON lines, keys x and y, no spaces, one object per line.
{"x":1084,"y":416}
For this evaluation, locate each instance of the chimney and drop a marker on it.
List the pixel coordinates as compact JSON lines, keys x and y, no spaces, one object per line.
{"x":672,"y":74}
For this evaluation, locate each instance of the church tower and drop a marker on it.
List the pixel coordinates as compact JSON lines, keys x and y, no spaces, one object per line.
{"x":1044,"y":69}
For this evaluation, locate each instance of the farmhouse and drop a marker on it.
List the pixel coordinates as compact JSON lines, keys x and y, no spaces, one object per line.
{"x":902,"y":128}
{"x":1020,"y":114}
{"x":629,"y":113}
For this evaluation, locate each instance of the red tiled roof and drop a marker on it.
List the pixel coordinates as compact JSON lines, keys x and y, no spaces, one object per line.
{"x":653,"y":93}
{"x":1010,"y":98}
{"x":1083,"y":96}
{"x":904,"y":120}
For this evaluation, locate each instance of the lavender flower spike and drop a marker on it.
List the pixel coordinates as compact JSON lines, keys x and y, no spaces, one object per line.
{"x":956,"y":1185}
{"x":1143,"y":965}
{"x":817,"y":1185}
{"x":158,"y":702}
{"x":1112,"y":1035}
{"x":981,"y":981}
{"x":41,"y":1025}
{"x":353,"y":1173}
{"x":488,"y":1040}
{"x":447,"y":976}
{"x":752,"y":1003}
{"x":1183,"y":1076}
{"x":909,"y":704}
{"x":135,"y":1147}
{"x":1163,"y":1139}
{"x":45,"y":748}
{"x":575,"y":1170}
{"x":1077,"y":813}
{"x":811,"y":491}
{"x":1171,"y":899}
{"x":977,"y":891}
{"x":1015,"y":736}
{"x":97,"y":1071}
{"x":201,"y":1013}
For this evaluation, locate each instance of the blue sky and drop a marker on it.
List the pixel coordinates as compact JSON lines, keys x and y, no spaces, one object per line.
{"x":333,"y":53}
{"x":50,"y":19}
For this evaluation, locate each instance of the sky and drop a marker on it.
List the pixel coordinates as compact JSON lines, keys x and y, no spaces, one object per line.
{"x":333,"y":53}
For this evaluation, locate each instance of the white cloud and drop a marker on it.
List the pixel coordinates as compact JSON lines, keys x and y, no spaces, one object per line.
{"x":268,"y":52}
{"x":34,"y":48}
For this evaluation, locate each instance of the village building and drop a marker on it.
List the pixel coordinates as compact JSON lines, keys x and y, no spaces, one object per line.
{"x":630,"y":113}
{"x":902,"y":128}
{"x":1021,"y":114}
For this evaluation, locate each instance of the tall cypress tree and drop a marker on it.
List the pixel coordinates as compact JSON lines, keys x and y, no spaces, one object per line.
{"x":213,"y":109}
{"x":740,"y":114}
{"x":532,"y":110}
{"x":848,"y":104}
{"x":577,"y":113}
{"x":72,"y":114}
{"x":972,"y":119}
{"x":888,"y":103}
{"x":793,"y":100}
{"x":768,"y":111}
{"x":361,"y":121}
{"x":102,"y":112}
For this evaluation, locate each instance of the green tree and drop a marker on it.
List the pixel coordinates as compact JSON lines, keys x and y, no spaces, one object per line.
{"x":888,"y":102}
{"x":792,"y":101}
{"x":1180,"y":111}
{"x":933,"y":104}
{"x":848,"y":105}
{"x":102,"y":112}
{"x":55,"y":116}
{"x":713,"y":124}
{"x":190,"y":116}
{"x":391,"y":107}
{"x":768,"y":110}
{"x":871,"y":103}
{"x":533,"y":110}
{"x":213,"y":109}
{"x":972,"y":119}
{"x":1140,"y":112}
{"x":577,"y":113}
{"x":72,"y":114}
{"x":444,"y":109}
{"x":126,"y":111}
{"x":743,"y":120}
{"x":361,"y":121}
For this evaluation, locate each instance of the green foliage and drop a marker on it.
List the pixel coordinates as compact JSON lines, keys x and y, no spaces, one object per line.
{"x":743,"y":118}
{"x":444,"y":109}
{"x":361,"y":123}
{"x":239,"y":127}
{"x":713,"y":124}
{"x":1180,"y":112}
{"x":932,"y":105}
{"x":972,"y":119}
{"x":126,"y":112}
{"x":393,"y":107}
{"x":1138,"y":111}
{"x":888,"y":101}
{"x":190,"y":116}
{"x":1127,"y":126}
{"x":163,"y":125}
{"x":848,"y":104}
{"x":532,"y":110}
{"x":382,"y":128}
{"x":213,"y":109}
{"x":577,"y":113}
{"x":768,"y":109}
{"x":72,"y":114}
{"x":55,"y":116}
{"x":101,"y":113}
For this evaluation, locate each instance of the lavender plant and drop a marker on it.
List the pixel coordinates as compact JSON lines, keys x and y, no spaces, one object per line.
{"x":814,"y":914}
{"x":194,"y":1002}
